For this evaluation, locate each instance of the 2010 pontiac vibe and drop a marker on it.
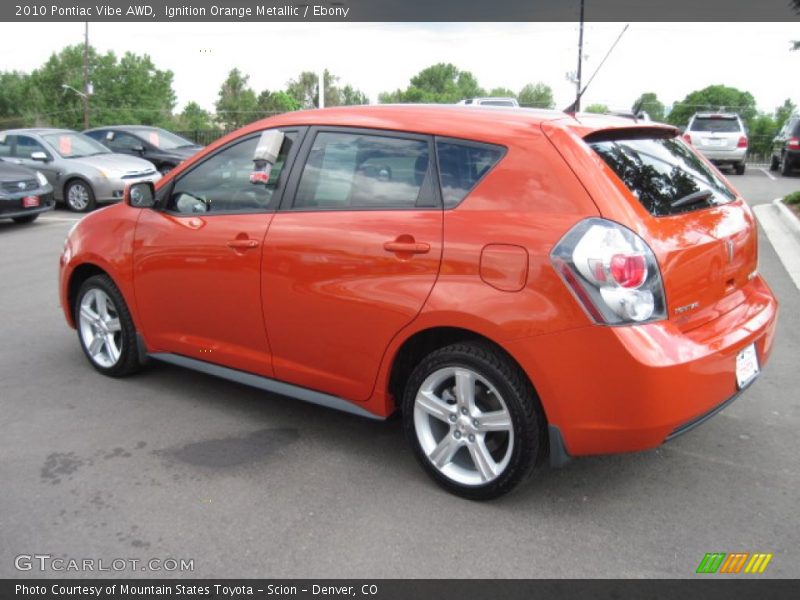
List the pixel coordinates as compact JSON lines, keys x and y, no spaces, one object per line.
{"x":519,"y":284}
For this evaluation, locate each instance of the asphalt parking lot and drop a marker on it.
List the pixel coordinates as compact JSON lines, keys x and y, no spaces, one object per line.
{"x":175,"y":464}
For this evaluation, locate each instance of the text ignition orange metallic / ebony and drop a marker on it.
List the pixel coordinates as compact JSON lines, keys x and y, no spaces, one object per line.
{"x":520,"y":284}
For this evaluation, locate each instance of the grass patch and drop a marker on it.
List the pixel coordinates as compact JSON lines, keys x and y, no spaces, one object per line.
{"x":793,"y":198}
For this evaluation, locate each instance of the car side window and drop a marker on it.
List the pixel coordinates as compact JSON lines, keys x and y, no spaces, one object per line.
{"x":354,"y":171}
{"x":462,"y":165}
{"x":222,"y":183}
{"x":122,"y":142}
{"x":26,"y":146}
{"x":5,"y":144}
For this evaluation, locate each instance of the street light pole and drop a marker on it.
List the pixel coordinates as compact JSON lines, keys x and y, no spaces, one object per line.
{"x":580,"y":64}
{"x":86,"y":90}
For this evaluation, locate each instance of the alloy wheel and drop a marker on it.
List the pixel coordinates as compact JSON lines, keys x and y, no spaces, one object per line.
{"x":463,"y":426}
{"x":78,"y":197}
{"x":100,"y":328}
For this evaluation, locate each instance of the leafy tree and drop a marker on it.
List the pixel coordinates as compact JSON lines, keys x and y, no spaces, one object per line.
{"x":442,"y":83}
{"x":596,"y":108}
{"x":762,"y":129}
{"x":351,"y":96}
{"x":193,"y":118}
{"x":270,"y":103}
{"x":713,"y":98}
{"x":649,"y":103}
{"x":538,"y":95}
{"x":14,"y":88}
{"x":237,"y":103}
{"x":305,"y":91}
{"x":784,"y":111}
{"x":501,"y":92}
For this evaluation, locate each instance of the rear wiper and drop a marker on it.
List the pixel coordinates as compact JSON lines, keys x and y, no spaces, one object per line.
{"x":694,"y":197}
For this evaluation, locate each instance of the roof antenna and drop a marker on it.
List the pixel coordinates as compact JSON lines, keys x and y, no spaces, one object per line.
{"x":575,"y":106}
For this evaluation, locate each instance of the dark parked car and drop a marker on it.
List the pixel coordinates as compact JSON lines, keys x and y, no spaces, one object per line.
{"x":161,"y":147}
{"x":24,"y":193}
{"x":786,"y":147}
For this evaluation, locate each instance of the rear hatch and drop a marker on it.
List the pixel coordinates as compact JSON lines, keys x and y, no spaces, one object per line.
{"x":702,"y":233}
{"x":715,"y":132}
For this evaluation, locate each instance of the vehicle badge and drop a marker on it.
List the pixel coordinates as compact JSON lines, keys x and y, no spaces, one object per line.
{"x":21,"y":185}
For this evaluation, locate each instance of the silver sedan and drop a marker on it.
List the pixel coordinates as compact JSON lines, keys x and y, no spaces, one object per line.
{"x":83,"y":172}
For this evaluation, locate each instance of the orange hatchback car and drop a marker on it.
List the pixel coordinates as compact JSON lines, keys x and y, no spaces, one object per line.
{"x":519,"y":284}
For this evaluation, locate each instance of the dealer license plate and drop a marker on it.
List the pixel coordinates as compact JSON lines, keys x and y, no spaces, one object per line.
{"x":30,"y":201}
{"x":746,"y":366}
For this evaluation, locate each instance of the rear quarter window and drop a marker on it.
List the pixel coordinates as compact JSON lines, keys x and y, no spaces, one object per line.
{"x":661,"y":171}
{"x":462,"y":165}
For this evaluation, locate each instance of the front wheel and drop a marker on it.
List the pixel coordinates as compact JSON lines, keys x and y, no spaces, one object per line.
{"x":473,"y":420}
{"x":105,"y":327}
{"x":79,"y":196}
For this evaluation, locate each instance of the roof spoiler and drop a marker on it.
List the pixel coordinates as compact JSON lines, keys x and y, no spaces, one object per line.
{"x":633,"y":133}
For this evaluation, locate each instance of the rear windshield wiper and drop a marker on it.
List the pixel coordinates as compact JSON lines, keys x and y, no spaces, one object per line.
{"x":693,"y":198}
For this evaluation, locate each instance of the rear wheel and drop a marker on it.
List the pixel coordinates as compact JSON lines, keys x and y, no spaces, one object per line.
{"x":786,"y":166}
{"x":105,"y":327}
{"x":775,"y":163}
{"x":26,"y":219}
{"x":739,"y":168}
{"x":473,"y":420}
{"x":79,"y":196}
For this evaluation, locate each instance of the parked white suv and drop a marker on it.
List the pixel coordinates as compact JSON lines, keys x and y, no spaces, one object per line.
{"x":720,"y":137}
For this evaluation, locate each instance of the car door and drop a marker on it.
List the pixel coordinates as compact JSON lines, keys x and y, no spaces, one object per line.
{"x":351,"y":257}
{"x":27,"y":145}
{"x":197,"y":259}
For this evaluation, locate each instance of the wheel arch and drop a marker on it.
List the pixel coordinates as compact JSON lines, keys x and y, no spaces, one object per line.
{"x":71,"y":178}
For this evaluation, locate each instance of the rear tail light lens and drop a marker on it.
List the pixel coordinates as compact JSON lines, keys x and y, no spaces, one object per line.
{"x":687,"y":138}
{"x":612,"y":272}
{"x":793,"y":143}
{"x":742,"y":142}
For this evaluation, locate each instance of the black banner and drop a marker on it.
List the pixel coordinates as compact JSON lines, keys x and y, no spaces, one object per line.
{"x":395,"y":589}
{"x":400,"y":11}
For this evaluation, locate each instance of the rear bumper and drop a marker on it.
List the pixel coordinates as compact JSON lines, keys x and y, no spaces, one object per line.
{"x":624,"y":389}
{"x":724,"y":156}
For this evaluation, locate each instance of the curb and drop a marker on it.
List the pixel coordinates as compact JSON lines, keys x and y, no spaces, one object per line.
{"x":787,"y":216}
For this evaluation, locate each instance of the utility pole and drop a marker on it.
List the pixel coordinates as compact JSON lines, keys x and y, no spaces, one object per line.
{"x":580,"y":64}
{"x":321,"y":86}
{"x":86,"y":90}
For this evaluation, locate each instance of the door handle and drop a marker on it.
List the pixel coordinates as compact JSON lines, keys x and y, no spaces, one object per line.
{"x":407,"y":247}
{"x":242,"y":244}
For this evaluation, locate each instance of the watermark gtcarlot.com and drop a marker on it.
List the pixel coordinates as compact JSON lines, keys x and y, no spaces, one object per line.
{"x":50,"y":563}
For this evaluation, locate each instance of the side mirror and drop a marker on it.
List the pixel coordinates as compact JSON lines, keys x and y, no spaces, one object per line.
{"x":140,"y":195}
{"x":40,"y":156}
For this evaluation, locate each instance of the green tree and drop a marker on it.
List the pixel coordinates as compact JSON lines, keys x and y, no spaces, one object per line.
{"x":784,"y":111}
{"x":352,"y":96}
{"x":14,"y":87}
{"x":649,"y":103}
{"x":762,"y":129}
{"x":270,"y":103}
{"x":442,"y":83}
{"x":236,"y":104}
{"x":596,"y":108}
{"x":305,"y":91}
{"x":537,"y":95}
{"x":193,"y":118}
{"x":713,"y":98}
{"x":501,"y":92}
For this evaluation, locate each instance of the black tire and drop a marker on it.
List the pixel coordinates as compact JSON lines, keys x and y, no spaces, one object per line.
{"x":739,"y":168}
{"x":128,"y":361}
{"x":26,"y":219}
{"x":81,"y":187}
{"x":774,"y":163}
{"x":529,"y":427}
{"x":786,"y":165}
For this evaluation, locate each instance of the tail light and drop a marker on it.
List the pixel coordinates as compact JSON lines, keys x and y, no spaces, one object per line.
{"x":687,"y":138}
{"x":742,"y":142}
{"x":612,"y":272}
{"x":793,"y":143}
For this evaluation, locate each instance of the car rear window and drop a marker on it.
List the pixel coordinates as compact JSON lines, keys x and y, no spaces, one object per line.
{"x":660,"y":172}
{"x":462,"y":165}
{"x":716,"y":124}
